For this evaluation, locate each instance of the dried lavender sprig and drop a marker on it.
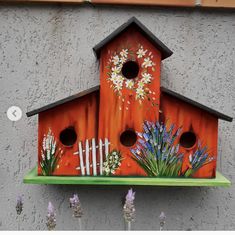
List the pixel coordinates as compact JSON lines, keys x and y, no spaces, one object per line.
{"x":19,"y":205}
{"x":162,"y":220}
{"x":75,"y":204}
{"x":129,"y":208}
{"x":51,"y":217}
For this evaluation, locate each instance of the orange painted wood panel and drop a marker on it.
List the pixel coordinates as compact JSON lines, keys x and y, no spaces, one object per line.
{"x":218,"y":3}
{"x":43,"y":1}
{"x":82,"y":114}
{"x":174,"y":3}
{"x":188,"y":3}
{"x":123,"y":111}
{"x":203,"y":124}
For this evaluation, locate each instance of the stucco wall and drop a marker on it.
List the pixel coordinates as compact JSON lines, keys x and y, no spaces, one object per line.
{"x":46,"y":54}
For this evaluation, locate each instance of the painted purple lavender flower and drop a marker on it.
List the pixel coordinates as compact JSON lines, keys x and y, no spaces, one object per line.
{"x":19,"y":205}
{"x":162,"y":220}
{"x":51,"y":217}
{"x":129,"y":208}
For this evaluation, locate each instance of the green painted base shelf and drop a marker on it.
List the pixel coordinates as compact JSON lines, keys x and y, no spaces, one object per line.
{"x":33,"y":178}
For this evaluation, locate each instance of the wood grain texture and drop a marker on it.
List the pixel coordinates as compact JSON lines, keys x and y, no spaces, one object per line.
{"x":43,"y":1}
{"x":113,"y":120}
{"x":33,"y":178}
{"x":82,"y":114}
{"x":171,"y":3}
{"x":190,"y":118}
{"x":187,"y":3}
{"x":218,"y":3}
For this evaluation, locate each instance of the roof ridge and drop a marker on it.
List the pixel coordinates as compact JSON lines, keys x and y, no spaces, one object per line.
{"x":165,"y":51}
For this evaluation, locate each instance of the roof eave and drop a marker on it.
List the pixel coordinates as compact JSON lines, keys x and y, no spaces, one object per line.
{"x":62,"y":101}
{"x":198,"y":105}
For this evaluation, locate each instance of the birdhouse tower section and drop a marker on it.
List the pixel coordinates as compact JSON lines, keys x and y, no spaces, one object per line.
{"x":130,"y":69}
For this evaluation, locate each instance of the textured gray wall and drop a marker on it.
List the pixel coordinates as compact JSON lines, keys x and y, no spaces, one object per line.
{"x":46,"y":54}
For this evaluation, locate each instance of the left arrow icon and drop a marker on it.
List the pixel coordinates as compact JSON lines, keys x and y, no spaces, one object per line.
{"x":14,"y":113}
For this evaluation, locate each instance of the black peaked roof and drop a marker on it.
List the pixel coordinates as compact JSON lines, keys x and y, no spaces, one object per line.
{"x":163,"y":89}
{"x":166,"y":52}
{"x":63,"y":101}
{"x":196,"y":104}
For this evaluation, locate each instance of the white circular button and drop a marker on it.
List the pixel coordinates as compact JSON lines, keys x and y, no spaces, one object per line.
{"x":14,"y":113}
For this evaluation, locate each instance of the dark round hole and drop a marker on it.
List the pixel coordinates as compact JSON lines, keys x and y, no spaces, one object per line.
{"x":188,"y":139}
{"x":130,"y":69}
{"x":128,"y":138}
{"x":68,"y":136}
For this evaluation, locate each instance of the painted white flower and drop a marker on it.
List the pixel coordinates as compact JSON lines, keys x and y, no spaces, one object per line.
{"x":113,"y":77}
{"x":116,"y":69}
{"x":129,"y":84}
{"x":141,"y":84}
{"x":141,"y":52}
{"x":124,"y":52}
{"x":119,"y":79}
{"x":146,"y":78}
{"x":123,"y":60}
{"x":118,"y":86}
{"x":48,"y":154}
{"x":147,"y":62}
{"x":43,"y":156}
{"x":115,"y":60}
{"x":140,"y":93}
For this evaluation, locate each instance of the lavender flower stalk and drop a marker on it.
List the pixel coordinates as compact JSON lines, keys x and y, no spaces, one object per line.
{"x":162,"y":220}
{"x":51,"y":217}
{"x":129,"y":208}
{"x":75,"y":204}
{"x":19,"y":205}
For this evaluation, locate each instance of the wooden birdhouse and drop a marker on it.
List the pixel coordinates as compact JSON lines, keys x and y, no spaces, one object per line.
{"x":129,"y":125}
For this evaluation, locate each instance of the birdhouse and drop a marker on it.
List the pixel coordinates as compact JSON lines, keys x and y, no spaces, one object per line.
{"x":129,"y":125}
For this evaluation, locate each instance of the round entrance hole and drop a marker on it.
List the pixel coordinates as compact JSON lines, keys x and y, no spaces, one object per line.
{"x":128,"y":138}
{"x":68,"y":136}
{"x":188,"y":139}
{"x":130,"y":69}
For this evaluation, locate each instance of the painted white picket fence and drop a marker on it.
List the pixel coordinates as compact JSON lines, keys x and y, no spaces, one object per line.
{"x":97,"y":151}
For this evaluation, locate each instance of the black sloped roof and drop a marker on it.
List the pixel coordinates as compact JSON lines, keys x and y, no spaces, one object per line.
{"x":163,"y":89}
{"x":165,"y":51}
{"x":63,"y":101}
{"x":196,"y":104}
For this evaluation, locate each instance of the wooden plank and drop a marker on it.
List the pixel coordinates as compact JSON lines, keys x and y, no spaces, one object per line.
{"x":81,"y":158}
{"x":171,"y":3}
{"x":218,"y":3}
{"x":101,"y":156}
{"x":106,"y":147}
{"x":185,"y":3}
{"x":33,"y":178}
{"x":43,"y":1}
{"x":87,"y":158}
{"x":94,"y":156}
